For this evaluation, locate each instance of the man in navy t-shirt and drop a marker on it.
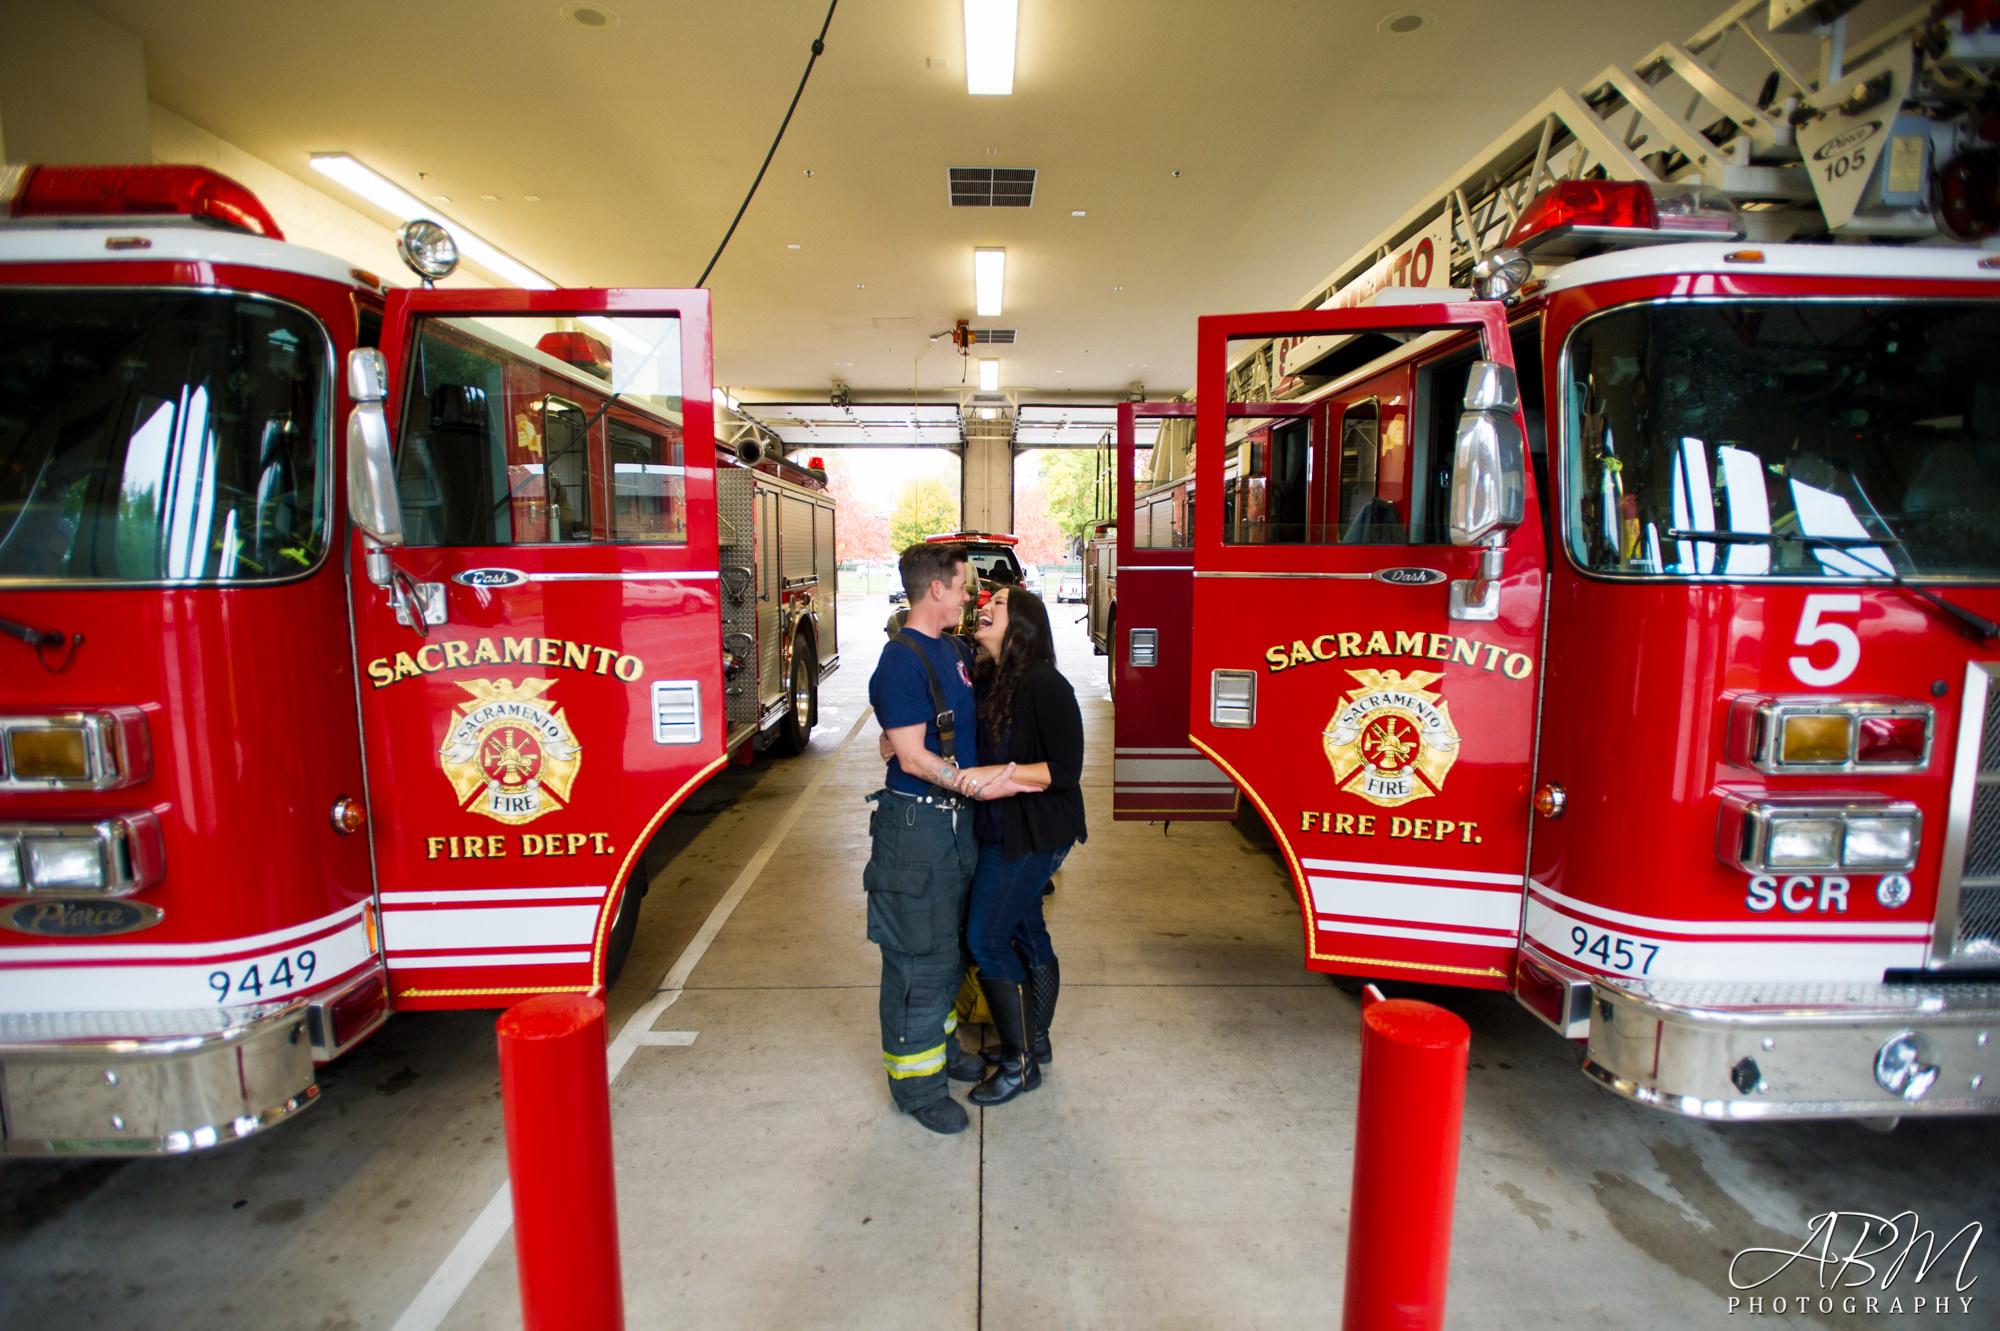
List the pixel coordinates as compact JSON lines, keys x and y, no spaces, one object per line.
{"x":923,"y":849}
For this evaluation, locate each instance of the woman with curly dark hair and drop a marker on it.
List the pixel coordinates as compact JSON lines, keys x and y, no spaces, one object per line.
{"x":1031,"y":756}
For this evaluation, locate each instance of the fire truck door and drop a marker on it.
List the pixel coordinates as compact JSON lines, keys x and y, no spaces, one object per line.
{"x":1156,"y":774}
{"x":540,"y":643}
{"x":1369,"y":684}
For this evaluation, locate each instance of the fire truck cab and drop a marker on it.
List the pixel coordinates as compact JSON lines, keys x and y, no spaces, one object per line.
{"x":1595,"y":591}
{"x":365,"y":637}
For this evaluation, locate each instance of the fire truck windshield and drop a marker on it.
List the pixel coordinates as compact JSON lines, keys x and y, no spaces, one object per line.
{"x":1802,"y":428}
{"x":160,"y":436}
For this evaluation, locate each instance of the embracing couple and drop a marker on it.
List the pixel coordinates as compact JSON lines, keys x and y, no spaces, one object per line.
{"x":980,"y":805}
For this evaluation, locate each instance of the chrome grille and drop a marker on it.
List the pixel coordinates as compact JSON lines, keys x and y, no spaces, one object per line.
{"x":1977,"y":939}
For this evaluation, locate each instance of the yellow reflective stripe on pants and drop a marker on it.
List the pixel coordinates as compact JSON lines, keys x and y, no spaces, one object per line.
{"x":951,"y":1021}
{"x":914,"y":1065}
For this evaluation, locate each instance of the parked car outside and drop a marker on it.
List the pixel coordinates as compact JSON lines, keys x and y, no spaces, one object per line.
{"x":1070,"y":589}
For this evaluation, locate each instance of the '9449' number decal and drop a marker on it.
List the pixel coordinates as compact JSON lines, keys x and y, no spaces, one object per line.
{"x":253,"y":981}
{"x":1613,"y":952}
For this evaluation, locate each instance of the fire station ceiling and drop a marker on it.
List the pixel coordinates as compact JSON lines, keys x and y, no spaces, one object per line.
{"x":1190,"y":156}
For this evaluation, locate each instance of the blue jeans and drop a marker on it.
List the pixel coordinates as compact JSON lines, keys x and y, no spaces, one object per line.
{"x":1006,"y":906}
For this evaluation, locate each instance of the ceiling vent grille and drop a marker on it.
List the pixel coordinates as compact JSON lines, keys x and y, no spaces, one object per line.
{"x":997,"y":336}
{"x":992,"y":187}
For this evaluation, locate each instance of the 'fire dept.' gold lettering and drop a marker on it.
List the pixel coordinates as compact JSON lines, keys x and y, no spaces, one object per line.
{"x":558,"y":653}
{"x":1434,"y":646}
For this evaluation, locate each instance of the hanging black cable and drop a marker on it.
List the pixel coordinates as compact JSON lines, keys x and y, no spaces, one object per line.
{"x":819,"y":46}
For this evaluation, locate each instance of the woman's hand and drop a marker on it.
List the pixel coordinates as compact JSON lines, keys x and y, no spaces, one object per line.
{"x":977,"y":782}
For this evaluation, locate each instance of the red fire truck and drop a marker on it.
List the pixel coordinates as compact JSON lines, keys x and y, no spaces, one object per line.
{"x":1593,"y":584}
{"x":299,"y":728}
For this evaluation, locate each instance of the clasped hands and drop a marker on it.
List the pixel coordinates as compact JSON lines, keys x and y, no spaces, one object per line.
{"x":980,"y":783}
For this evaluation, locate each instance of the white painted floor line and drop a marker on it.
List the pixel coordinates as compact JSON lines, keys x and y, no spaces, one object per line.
{"x":455,"y":1273}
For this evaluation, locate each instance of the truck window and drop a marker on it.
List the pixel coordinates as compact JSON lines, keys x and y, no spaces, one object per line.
{"x":1797,"y":429}
{"x":648,"y":486}
{"x":161,"y":436}
{"x":498,"y":445}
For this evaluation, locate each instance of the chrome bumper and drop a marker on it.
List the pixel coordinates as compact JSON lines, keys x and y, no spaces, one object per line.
{"x":1746,"y":1051}
{"x":146,"y":1083}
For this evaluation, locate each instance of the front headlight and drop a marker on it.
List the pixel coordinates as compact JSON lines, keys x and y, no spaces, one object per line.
{"x":1888,"y":844}
{"x":1803,"y":843}
{"x":1779,"y":833}
{"x":65,"y":863}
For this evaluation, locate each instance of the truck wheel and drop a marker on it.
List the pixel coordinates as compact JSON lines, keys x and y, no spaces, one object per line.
{"x":623,"y":929}
{"x":804,"y":697}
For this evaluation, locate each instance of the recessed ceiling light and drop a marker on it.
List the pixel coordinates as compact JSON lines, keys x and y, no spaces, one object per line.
{"x":842,"y":364}
{"x":1116,"y":289}
{"x":1058,"y":371}
{"x":860,"y":286}
{"x":791,"y":247}
{"x":1077,"y":213}
{"x":937,"y":62}
{"x":489,"y":198}
{"x":531,"y":198}
{"x":989,"y":375}
{"x":440,"y":198}
{"x":989,"y":275}
{"x":1402,"y":23}
{"x":809,"y":171}
{"x":990,"y":30}
{"x":589,"y":14}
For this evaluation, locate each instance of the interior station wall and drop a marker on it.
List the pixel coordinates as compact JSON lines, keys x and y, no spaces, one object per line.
{"x":986,"y":497}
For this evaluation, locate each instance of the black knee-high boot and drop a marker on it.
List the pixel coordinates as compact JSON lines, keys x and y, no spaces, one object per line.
{"x":1044,"y":983}
{"x":1016,"y":1071}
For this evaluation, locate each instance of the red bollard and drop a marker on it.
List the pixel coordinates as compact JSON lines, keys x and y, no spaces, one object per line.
{"x":558,"y":1110}
{"x":1405,"y":1165}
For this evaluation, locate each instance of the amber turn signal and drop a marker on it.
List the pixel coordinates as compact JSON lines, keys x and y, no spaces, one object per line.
{"x":1822,"y":737}
{"x":348,"y":815}
{"x":1550,"y":799}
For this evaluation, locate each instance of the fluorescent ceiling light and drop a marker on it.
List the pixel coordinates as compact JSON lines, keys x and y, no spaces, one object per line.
{"x":391,"y":198}
{"x":989,"y":376}
{"x":989,"y":275}
{"x":990,"y":27}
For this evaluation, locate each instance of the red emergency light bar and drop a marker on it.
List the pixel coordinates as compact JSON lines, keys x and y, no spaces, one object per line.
{"x":955,"y":537}
{"x":119,"y":191}
{"x":580,"y":350}
{"x":1573,"y":215}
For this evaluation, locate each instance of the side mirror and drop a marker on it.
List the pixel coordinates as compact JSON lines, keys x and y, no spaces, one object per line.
{"x":1492,"y":386}
{"x":372,"y":500}
{"x":1489,"y":490}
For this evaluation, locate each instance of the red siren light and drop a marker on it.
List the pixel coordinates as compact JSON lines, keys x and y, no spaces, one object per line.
{"x":1594,"y":204}
{"x":119,"y":191}
{"x":817,"y":464}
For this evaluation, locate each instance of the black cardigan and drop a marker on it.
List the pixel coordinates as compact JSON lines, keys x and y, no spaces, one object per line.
{"x":1048,"y":727}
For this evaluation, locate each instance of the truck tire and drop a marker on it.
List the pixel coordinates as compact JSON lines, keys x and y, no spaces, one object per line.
{"x":623,"y":929}
{"x":797,"y":726}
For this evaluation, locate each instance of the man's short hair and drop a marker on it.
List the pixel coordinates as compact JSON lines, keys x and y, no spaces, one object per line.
{"x":927,"y":562}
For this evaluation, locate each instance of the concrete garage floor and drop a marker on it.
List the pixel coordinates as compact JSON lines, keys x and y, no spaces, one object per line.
{"x":1185,"y":1164}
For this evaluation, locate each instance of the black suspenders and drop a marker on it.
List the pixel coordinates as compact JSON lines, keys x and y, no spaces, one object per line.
{"x":946,"y":721}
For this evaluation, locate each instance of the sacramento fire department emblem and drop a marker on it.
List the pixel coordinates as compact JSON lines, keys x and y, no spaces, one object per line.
{"x":509,"y":754}
{"x":1392,"y":741}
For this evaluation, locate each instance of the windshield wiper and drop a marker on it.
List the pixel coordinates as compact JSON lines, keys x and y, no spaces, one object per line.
{"x":42,"y":640}
{"x":1977,"y":624}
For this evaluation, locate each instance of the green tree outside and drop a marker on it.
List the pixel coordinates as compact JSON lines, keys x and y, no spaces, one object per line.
{"x":1070,"y":475}
{"x":923,"y":508}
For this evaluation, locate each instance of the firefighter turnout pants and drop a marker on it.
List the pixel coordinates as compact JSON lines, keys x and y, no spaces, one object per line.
{"x":920,"y":864}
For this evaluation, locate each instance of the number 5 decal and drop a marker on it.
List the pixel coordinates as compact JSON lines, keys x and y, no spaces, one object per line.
{"x":1813,"y":631}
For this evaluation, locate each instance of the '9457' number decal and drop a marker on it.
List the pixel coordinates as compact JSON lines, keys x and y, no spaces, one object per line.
{"x":251,"y":982}
{"x":1613,"y":952}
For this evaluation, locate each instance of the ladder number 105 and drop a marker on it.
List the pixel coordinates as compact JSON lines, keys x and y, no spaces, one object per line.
{"x":1612,"y":951}
{"x":1854,"y":161}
